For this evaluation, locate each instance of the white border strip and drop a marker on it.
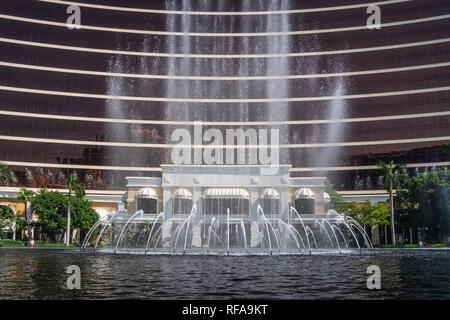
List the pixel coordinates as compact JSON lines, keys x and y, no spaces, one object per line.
{"x":158,"y":169}
{"x":223,"y":34}
{"x":198,"y":100}
{"x":224,"y":56}
{"x":210,"y":146}
{"x":222,"y":13}
{"x":223,"y":123}
{"x":221,"y":78}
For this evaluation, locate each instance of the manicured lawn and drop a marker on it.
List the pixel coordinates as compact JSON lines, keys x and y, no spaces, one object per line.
{"x":11,"y":243}
{"x":51,"y":244}
{"x":18,"y":243}
{"x":436,"y":245}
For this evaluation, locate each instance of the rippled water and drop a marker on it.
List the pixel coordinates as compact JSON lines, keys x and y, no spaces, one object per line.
{"x":405,"y":274}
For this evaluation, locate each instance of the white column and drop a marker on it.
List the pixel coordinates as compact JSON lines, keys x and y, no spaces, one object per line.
{"x":254,"y":216}
{"x":166,"y":238}
{"x":29,"y":213}
{"x":375,"y":235}
{"x":167,"y":203}
{"x":14,"y":231}
{"x":254,"y":235}
{"x":197,"y":200}
{"x":254,"y":202}
{"x":284,"y":205}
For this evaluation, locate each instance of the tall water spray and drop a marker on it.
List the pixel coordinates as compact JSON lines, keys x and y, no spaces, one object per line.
{"x":221,"y":69}
{"x":233,"y":87}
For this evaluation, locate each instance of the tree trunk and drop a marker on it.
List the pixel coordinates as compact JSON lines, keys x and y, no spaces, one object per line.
{"x":68,"y":225}
{"x":391,"y":204}
{"x":385,"y":235}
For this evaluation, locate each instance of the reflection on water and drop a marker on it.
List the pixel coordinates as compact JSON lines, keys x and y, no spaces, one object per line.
{"x":41,"y":274}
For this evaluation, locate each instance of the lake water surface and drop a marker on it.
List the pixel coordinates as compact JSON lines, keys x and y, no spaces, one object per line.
{"x":405,"y":274}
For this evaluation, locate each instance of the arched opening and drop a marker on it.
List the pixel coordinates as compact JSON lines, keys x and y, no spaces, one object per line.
{"x":147,"y":200}
{"x":182,"y":201}
{"x":270,"y":201}
{"x":218,"y":200}
{"x":305,"y":202}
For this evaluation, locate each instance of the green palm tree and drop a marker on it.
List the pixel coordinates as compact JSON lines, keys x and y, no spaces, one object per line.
{"x":25,"y":196}
{"x":445,"y":147}
{"x":71,"y":185}
{"x":6,"y":175}
{"x":392,"y":173}
{"x":79,"y":191}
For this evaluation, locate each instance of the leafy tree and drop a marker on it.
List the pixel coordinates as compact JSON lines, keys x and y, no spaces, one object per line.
{"x":51,"y":207}
{"x":7,"y":217}
{"x":430,"y":193}
{"x":445,"y":147}
{"x":79,"y":191}
{"x":6,"y":175}
{"x":71,"y":185}
{"x":24,"y":195}
{"x":392,"y":176}
{"x":21,"y":223}
{"x":368,"y":214}
{"x":336,"y":200}
{"x":406,"y":210}
{"x":84,"y":216}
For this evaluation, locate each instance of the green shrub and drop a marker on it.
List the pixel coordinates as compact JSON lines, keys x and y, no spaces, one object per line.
{"x":440,"y":245}
{"x":7,"y":217}
{"x":436,"y":245}
{"x":11,"y":243}
{"x":51,"y":207}
{"x":51,"y":244}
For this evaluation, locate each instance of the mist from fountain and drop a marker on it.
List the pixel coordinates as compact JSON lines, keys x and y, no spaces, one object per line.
{"x":161,"y":234}
{"x":276,"y":236}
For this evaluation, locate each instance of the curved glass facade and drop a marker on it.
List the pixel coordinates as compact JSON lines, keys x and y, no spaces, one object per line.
{"x":377,"y":94}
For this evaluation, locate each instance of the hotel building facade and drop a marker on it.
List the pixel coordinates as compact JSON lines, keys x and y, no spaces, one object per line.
{"x":101,"y":100}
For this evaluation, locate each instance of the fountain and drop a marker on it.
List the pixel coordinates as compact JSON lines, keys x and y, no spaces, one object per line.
{"x":225,"y":215}
{"x":229,"y":237}
{"x":209,"y":207}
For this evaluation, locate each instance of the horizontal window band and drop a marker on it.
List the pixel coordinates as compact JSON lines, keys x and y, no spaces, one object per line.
{"x":78,"y":166}
{"x":222,"y":34}
{"x":196,"y":100}
{"x":224,"y":56}
{"x":349,"y":168}
{"x":158,"y":169}
{"x":223,"y":123}
{"x":225,"y":78}
{"x":221,"y":13}
{"x":210,"y":146}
